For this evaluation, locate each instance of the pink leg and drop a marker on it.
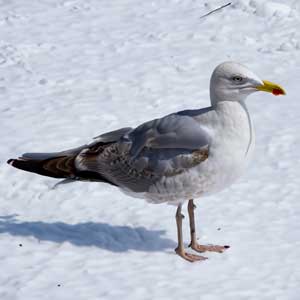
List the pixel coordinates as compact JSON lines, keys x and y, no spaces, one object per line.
{"x":194,"y":245}
{"x":180,"y":248}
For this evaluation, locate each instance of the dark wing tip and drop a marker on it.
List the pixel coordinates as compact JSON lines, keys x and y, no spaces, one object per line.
{"x":11,"y":161}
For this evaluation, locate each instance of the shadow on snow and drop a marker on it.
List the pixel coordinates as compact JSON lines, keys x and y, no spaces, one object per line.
{"x":109,"y":237}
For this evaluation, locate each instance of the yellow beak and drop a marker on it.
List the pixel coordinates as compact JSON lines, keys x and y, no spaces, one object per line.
{"x":271,"y":87}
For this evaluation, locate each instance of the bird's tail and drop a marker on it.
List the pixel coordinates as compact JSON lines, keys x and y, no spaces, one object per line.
{"x":47,"y":164}
{"x":58,"y":165}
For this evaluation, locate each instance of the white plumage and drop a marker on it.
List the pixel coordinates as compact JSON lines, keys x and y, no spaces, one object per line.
{"x":173,"y":159}
{"x":231,"y":146}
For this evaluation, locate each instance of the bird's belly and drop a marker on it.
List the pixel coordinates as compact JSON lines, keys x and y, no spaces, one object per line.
{"x":223,"y":167}
{"x":229,"y":152}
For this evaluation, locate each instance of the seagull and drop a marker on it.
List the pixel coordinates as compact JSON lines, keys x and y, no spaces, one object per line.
{"x":173,"y":159}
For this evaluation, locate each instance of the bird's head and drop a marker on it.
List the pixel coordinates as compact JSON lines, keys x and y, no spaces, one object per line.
{"x":232,"y":81}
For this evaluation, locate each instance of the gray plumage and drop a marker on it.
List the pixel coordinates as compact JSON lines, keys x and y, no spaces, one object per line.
{"x":185,"y":155}
{"x":141,"y":156}
{"x":133,"y":159}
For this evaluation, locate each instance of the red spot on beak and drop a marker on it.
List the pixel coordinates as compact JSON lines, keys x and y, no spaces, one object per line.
{"x":277,"y":92}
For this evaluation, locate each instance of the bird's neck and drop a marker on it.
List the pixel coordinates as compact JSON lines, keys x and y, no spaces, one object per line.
{"x":235,"y":116}
{"x":219,"y":96}
{"x":232,"y":109}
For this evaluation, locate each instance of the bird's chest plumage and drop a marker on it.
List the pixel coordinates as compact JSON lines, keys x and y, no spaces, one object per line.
{"x":232,"y":145}
{"x":229,"y":151}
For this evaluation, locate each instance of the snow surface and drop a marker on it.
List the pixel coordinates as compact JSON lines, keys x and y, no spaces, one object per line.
{"x":71,"y":70}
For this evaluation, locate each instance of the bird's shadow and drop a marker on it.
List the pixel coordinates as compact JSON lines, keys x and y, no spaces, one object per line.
{"x":109,"y":237}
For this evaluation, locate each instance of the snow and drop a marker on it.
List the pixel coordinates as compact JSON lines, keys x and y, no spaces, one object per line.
{"x":71,"y":70}
{"x":269,"y":9}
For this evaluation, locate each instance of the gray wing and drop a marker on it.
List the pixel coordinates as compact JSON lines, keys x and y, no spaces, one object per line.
{"x":140,"y":157}
{"x":113,"y":136}
{"x":175,"y":131}
{"x":108,"y":137}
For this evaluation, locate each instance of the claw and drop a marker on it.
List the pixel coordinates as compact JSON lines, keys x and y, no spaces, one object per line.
{"x":210,"y":248}
{"x":189,"y":256}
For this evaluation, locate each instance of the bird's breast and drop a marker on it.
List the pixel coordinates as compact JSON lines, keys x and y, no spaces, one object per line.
{"x":233,"y":143}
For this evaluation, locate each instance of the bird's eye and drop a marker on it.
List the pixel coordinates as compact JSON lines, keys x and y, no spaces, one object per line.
{"x":237,"y":78}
